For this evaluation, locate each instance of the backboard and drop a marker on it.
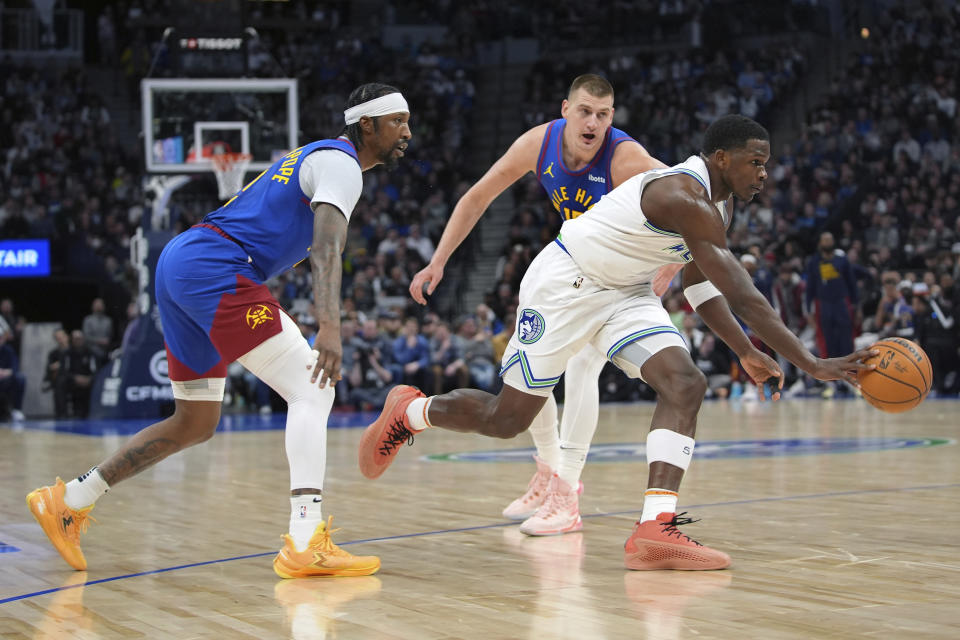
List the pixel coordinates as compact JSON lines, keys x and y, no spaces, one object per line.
{"x":186,"y":120}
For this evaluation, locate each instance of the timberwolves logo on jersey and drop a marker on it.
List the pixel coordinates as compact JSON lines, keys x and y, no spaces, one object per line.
{"x":530,"y":326}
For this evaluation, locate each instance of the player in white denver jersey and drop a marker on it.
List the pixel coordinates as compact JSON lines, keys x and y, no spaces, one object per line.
{"x":587,"y":287}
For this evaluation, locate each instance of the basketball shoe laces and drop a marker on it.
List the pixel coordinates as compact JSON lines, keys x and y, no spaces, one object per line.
{"x":326,"y":544}
{"x":670,"y":528}
{"x":555,"y":504}
{"x":396,"y":435}
{"x":80,"y":520}
{"x":538,"y":484}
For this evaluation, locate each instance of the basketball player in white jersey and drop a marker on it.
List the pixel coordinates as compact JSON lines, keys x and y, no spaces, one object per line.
{"x":577,"y":159}
{"x":584,"y":289}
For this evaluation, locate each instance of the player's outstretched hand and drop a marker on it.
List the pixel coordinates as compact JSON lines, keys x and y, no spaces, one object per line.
{"x":432,"y":273}
{"x":661,"y":281}
{"x":765,"y":372}
{"x":844,"y":368}
{"x":325,"y":358}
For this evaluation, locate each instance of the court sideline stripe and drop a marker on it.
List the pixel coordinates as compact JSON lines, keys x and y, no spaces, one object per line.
{"x":807,"y":496}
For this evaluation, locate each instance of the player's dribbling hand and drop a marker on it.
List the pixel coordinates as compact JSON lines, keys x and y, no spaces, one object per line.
{"x":765,"y":372}
{"x":326,"y":359}
{"x":432,"y":273}
{"x":844,"y":368}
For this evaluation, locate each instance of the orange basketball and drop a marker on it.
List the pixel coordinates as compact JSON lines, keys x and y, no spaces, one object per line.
{"x":902,"y":378}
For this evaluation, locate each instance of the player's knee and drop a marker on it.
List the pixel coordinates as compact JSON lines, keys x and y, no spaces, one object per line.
{"x":202,"y":430}
{"x":196,"y":425}
{"x":509,"y":428}
{"x":204,"y":433}
{"x":310,"y":399}
{"x":685,"y":388}
{"x":585,"y":365}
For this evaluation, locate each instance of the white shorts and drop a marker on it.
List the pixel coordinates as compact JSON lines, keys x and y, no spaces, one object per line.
{"x":561,"y":310}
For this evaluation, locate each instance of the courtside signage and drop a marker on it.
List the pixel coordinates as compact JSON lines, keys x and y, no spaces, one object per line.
{"x":24,"y":258}
{"x":636,"y":452}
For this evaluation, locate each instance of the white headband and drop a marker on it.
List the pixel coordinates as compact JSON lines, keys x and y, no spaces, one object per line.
{"x":390,"y":103}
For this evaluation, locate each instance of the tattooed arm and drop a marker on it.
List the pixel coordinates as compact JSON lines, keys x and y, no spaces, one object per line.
{"x":329,"y":236}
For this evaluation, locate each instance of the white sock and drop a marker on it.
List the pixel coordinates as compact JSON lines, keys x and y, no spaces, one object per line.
{"x":543,"y":430}
{"x":305,"y":515}
{"x":657,"y":501}
{"x":572,"y":458}
{"x":417,"y":414}
{"x":82,"y":492}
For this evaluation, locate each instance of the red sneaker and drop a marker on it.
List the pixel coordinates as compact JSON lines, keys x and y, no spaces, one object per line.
{"x":381,"y":440}
{"x":658,"y":544}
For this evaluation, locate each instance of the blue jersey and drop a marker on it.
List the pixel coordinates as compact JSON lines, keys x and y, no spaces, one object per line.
{"x":573,"y":192}
{"x":271,"y":217}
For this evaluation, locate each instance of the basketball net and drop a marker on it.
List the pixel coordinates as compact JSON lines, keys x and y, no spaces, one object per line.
{"x":229,"y":168}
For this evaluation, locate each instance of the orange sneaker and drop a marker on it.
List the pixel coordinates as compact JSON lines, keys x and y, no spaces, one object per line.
{"x":381,"y":440}
{"x":321,"y":558}
{"x":658,"y":544}
{"x":62,"y":524}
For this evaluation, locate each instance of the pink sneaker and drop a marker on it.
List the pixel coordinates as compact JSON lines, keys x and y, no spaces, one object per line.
{"x":559,"y":513}
{"x":527,"y":504}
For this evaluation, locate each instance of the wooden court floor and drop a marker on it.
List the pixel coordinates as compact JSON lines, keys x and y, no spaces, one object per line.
{"x":842,"y":522}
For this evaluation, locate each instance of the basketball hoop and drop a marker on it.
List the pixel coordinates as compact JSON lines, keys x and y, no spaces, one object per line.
{"x":230,"y":169}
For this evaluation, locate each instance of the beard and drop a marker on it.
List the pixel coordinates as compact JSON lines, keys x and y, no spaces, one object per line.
{"x":389,"y":161}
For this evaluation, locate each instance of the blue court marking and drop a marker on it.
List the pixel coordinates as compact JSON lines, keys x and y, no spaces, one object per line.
{"x":8,"y":548}
{"x":228,"y":422}
{"x":498,"y":525}
{"x":636,"y":452}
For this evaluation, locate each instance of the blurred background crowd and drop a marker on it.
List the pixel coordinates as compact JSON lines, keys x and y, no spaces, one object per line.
{"x":855,"y":236}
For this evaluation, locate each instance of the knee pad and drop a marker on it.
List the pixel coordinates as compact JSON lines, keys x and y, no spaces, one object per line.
{"x":281,"y":362}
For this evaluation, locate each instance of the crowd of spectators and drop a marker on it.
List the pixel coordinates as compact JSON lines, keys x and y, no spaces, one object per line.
{"x":877,"y":164}
{"x":666,"y":100}
{"x":580,"y":25}
{"x":66,"y":176}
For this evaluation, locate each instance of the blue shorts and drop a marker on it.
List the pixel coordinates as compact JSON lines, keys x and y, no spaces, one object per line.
{"x":213,"y":304}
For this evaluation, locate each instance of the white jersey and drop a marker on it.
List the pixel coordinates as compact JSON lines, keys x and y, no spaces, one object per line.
{"x":614,"y":243}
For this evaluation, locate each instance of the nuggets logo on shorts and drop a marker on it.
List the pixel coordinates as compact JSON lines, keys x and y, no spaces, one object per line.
{"x":257,"y":315}
{"x":530,"y":326}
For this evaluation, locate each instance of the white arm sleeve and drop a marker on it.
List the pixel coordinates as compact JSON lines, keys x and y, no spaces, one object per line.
{"x":332,"y":177}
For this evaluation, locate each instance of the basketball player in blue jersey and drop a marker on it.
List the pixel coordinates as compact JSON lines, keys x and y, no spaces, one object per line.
{"x":577,"y":159}
{"x":215,"y":309}
{"x":591,"y":286}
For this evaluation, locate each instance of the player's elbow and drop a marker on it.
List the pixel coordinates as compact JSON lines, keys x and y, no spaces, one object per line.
{"x":750,"y":307}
